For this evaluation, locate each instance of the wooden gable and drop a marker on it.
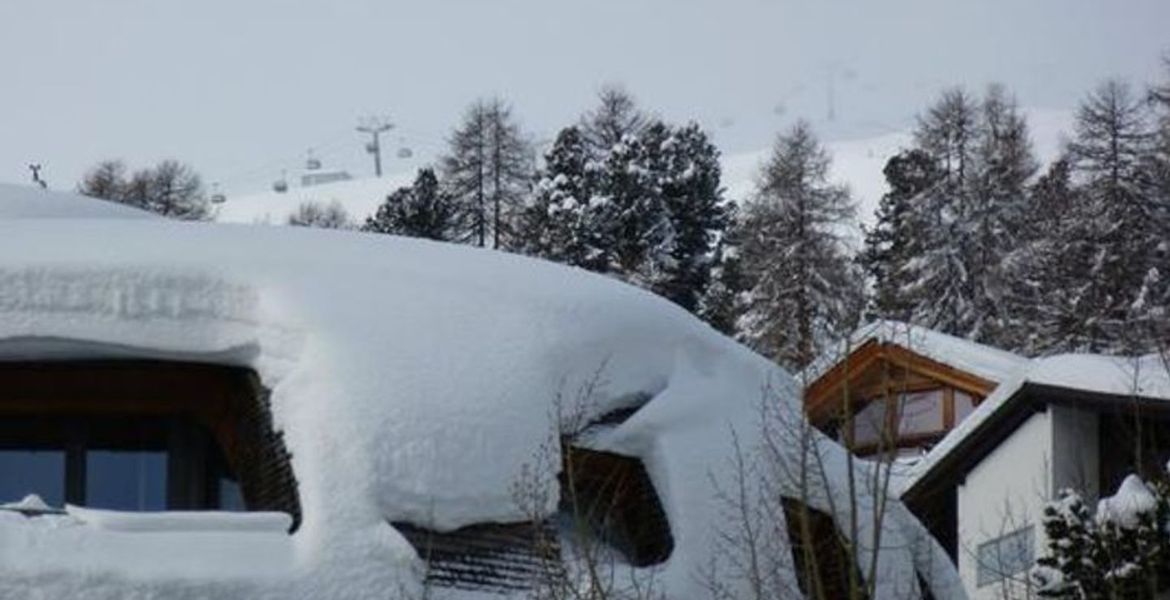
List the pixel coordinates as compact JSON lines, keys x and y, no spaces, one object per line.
{"x":879,"y":370}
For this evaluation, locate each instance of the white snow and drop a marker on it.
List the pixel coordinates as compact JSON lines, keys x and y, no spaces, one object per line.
{"x":411,"y":380}
{"x":23,"y":202}
{"x":989,"y":363}
{"x":177,"y":520}
{"x":31,"y":503}
{"x":1125,"y":508}
{"x":359,"y":197}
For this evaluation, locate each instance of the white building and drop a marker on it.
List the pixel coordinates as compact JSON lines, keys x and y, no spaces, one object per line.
{"x":1038,"y":426}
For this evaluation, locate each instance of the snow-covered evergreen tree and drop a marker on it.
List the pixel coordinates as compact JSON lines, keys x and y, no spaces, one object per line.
{"x":686,"y":167}
{"x":616,"y":116}
{"x":890,"y":244}
{"x":1046,"y":266}
{"x":631,"y":222}
{"x":934,"y":281}
{"x":556,"y":225}
{"x":724,"y":299}
{"x":965,"y":224}
{"x":488,"y":169}
{"x":990,"y":227}
{"x":422,"y":210}
{"x":804,"y":290}
{"x":1109,"y":153}
{"x":1121,"y":550}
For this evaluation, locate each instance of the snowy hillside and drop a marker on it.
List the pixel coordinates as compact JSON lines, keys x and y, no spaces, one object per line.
{"x":857,"y":163}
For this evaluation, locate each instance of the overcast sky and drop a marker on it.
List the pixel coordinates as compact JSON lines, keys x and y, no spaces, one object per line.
{"x":242,"y":88}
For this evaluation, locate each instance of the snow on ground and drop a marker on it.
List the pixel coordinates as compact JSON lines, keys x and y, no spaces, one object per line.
{"x":360,"y":197}
{"x":20,"y":201}
{"x":412,"y":380}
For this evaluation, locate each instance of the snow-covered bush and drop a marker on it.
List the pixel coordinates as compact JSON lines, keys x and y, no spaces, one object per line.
{"x":1122,"y":550}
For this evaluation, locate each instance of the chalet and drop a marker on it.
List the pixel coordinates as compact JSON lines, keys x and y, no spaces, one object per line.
{"x":988,"y":438}
{"x":194,"y":409}
{"x":897,"y":389}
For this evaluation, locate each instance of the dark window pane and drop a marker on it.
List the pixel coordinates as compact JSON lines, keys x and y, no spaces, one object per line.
{"x":230,"y":497}
{"x":40,"y":472}
{"x":126,"y":480}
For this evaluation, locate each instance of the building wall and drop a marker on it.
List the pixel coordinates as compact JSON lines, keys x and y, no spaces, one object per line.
{"x":1006,"y":492}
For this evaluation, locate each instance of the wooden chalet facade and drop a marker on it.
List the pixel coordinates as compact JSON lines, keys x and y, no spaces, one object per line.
{"x":888,"y":397}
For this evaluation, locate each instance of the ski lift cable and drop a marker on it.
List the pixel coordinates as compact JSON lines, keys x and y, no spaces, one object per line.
{"x":257,"y":171}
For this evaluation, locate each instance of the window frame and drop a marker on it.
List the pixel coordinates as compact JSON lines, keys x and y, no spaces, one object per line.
{"x":990,"y":573}
{"x":228,"y":402}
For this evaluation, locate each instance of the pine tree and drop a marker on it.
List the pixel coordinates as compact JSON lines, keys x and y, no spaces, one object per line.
{"x":1109,"y":151}
{"x":948,"y":131}
{"x":890,"y":244}
{"x":1047,"y":264}
{"x":1156,"y":289}
{"x":422,"y":210}
{"x":935,"y":283}
{"x":488,"y":168}
{"x":556,"y":223}
{"x":616,"y":116}
{"x":998,"y":207}
{"x":686,"y":166}
{"x":631,"y":223}
{"x":804,"y":291}
{"x":723,"y":301}
{"x":965,"y":223}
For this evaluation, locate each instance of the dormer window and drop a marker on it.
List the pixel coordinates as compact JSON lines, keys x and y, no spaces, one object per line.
{"x":140,"y":436}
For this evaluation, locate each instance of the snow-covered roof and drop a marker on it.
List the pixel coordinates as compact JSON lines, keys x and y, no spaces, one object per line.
{"x":412,"y":380}
{"x":1145,"y":377}
{"x":983,"y":361}
{"x":23,"y":202}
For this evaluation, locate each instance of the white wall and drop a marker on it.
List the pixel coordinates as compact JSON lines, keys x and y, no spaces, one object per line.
{"x":1007,"y":490}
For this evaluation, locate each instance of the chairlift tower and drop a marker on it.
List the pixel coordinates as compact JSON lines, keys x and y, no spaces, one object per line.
{"x":375,"y":127}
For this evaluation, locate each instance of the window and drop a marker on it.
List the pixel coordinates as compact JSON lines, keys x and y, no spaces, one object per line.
{"x":32,"y":471}
{"x":964,"y":405}
{"x":813,"y":534}
{"x":141,"y":436}
{"x":613,"y":497}
{"x":870,"y":423}
{"x":1005,"y":556}
{"x":921,"y":412}
{"x":118,"y":462}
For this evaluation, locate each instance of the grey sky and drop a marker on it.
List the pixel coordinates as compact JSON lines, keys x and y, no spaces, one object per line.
{"x":242,"y":88}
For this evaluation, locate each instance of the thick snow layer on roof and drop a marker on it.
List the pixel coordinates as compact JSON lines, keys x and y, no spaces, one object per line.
{"x":412,"y":380}
{"x":1146,"y":377}
{"x":24,"y":202}
{"x":977,"y":359}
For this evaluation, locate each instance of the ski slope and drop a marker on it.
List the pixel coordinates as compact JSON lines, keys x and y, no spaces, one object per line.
{"x":857,"y":163}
